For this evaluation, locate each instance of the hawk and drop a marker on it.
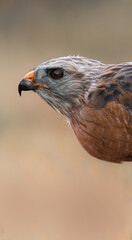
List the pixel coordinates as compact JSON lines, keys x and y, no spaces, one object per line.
{"x":95,"y":97}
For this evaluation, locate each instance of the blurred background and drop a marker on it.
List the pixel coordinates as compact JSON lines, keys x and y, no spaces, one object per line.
{"x":50,"y":188}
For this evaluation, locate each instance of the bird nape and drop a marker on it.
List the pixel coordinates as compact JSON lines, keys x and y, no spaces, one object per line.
{"x":95,"y":97}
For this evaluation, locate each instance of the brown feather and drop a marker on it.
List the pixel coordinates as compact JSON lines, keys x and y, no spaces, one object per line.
{"x":104,"y":125}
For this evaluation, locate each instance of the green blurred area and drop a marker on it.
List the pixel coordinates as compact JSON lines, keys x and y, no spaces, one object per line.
{"x":50,"y":188}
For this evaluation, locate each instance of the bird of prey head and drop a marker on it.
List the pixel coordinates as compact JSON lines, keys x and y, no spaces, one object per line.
{"x":63,"y":82}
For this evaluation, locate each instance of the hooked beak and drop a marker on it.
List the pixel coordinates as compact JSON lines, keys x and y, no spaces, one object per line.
{"x":26,"y":83}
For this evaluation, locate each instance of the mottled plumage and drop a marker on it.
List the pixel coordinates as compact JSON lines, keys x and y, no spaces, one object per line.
{"x":95,"y":97}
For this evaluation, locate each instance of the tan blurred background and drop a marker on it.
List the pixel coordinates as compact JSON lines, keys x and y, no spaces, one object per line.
{"x":50,"y":188}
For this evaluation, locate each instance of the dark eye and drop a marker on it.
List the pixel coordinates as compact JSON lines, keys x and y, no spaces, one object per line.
{"x":56,"y":73}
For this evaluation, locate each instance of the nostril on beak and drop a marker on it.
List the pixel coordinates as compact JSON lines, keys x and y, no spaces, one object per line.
{"x":30,"y":76}
{"x":25,"y":85}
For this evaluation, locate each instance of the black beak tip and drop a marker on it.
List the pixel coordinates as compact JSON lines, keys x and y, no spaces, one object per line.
{"x":25,"y":85}
{"x":19,"y":89}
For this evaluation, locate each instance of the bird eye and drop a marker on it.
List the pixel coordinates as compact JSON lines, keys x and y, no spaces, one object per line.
{"x":56,"y":73}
